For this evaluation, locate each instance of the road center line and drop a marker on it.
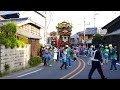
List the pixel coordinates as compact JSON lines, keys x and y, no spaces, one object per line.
{"x":30,"y":72}
{"x":73,"y":70}
{"x":78,"y":71}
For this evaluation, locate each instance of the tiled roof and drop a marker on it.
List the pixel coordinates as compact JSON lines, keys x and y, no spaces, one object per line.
{"x":74,"y":36}
{"x":19,"y":21}
{"x":13,"y":19}
{"x":89,"y":31}
{"x":8,"y":12}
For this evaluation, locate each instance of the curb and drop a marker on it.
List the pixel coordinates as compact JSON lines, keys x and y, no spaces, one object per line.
{"x":21,"y":71}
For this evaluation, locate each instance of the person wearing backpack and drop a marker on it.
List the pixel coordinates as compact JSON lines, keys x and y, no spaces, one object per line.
{"x":96,"y":63}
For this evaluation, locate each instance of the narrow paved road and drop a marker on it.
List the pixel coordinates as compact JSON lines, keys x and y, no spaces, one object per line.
{"x":46,"y":72}
{"x":79,"y":70}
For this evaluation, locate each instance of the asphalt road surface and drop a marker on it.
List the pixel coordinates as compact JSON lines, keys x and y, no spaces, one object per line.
{"x":79,"y":70}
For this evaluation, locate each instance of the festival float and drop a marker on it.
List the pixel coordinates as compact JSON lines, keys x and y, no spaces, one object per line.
{"x":63,"y":34}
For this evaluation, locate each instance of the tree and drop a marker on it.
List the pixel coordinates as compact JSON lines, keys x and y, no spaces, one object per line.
{"x":8,"y":29}
{"x":7,"y":35}
{"x":97,"y":39}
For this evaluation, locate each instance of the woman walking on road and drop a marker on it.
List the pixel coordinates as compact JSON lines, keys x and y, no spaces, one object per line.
{"x":46,"y":57}
{"x":64,"y":60}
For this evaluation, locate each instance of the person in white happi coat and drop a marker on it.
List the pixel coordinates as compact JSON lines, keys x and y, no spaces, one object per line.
{"x":55,"y":54}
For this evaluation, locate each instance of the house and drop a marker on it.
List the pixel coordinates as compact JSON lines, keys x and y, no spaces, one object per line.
{"x":74,"y":39}
{"x":36,"y":16}
{"x":113,"y":34}
{"x":89,"y":32}
{"x":28,"y":28}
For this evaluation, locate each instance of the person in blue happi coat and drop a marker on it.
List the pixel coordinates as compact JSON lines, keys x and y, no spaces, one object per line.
{"x":64,"y":60}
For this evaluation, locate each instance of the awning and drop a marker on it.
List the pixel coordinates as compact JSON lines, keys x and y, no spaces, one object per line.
{"x":117,"y":32}
{"x":89,"y":41}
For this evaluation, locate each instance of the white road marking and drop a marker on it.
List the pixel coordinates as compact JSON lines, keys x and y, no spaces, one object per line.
{"x":30,"y":72}
{"x":117,"y":63}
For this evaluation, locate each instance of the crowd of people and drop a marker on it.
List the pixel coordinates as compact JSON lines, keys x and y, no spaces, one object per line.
{"x":108,"y":53}
{"x":66,"y":55}
{"x":99,"y":55}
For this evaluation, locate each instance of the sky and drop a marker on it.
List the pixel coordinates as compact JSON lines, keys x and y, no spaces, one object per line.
{"x":77,"y":18}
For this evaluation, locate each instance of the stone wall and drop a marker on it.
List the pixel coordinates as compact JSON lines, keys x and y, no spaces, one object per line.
{"x":17,"y":58}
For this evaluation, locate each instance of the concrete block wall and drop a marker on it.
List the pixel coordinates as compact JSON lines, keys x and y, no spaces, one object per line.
{"x":17,"y":58}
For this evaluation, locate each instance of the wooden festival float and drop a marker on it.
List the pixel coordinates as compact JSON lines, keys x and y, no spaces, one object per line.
{"x":63,"y":34}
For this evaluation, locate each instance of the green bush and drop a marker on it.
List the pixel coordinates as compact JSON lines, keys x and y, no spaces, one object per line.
{"x":6,"y":42}
{"x":7,"y":36}
{"x":34,"y":61}
{"x":7,"y":67}
{"x":18,"y":43}
{"x":23,"y":39}
{"x":8,"y":29}
{"x":22,"y":44}
{"x":1,"y":74}
{"x":13,"y":42}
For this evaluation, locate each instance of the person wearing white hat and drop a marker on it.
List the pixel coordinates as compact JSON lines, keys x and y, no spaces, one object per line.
{"x":105,"y":55}
{"x":110,"y":45}
{"x":90,"y":50}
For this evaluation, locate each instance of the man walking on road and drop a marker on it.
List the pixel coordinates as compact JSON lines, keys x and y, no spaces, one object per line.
{"x":113,"y":57}
{"x":96,"y":63}
{"x":68,"y":51}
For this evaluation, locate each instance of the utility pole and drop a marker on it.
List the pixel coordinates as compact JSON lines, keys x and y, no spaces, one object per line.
{"x":45,"y":28}
{"x":84,"y":30}
{"x":94,"y":17}
{"x":47,"y":23}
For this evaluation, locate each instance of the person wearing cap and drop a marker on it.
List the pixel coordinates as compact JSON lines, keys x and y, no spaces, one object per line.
{"x":96,"y":63}
{"x":68,"y":51}
{"x":113,"y":57}
{"x":89,"y":54}
{"x":105,"y":55}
